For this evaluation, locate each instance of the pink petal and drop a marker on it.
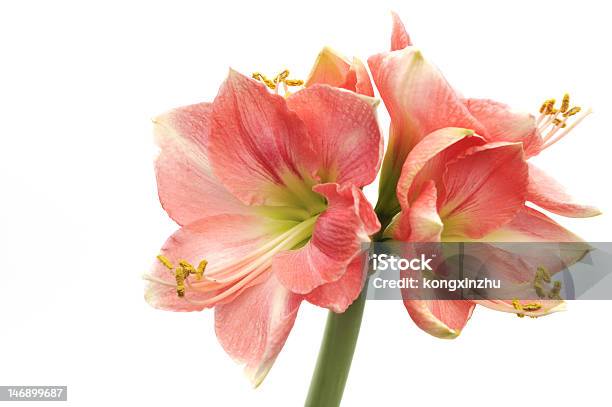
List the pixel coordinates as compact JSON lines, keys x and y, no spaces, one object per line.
{"x":333,"y":69}
{"x":530,"y":225}
{"x":344,"y":132}
{"x":503,"y":124}
{"x":483,"y":190}
{"x":218,"y":239}
{"x":441,"y":318}
{"x":337,"y":237}
{"x":546,"y":192}
{"x":418,"y":98}
{"x":399,"y":37}
{"x":427,"y":160}
{"x":338,"y":295}
{"x":425,"y":223}
{"x":363,"y":84}
{"x":187,"y":189}
{"x":254,"y":327}
{"x":257,"y":145}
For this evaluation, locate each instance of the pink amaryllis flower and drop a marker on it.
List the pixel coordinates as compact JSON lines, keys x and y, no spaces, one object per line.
{"x":267,"y":191}
{"x":458,"y":171}
{"x":420,"y":101}
{"x":455,"y":186}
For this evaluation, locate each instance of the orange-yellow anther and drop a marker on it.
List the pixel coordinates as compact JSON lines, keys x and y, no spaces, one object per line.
{"x":565,"y":103}
{"x":164,"y":260}
{"x":282,"y":77}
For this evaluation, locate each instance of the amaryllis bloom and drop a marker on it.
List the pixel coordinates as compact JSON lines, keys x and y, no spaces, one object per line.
{"x":462,"y":175}
{"x":267,"y":191}
{"x":455,"y":186}
{"x":420,"y":101}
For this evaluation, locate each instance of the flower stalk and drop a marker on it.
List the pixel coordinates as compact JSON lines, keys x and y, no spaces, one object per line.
{"x":336,"y":355}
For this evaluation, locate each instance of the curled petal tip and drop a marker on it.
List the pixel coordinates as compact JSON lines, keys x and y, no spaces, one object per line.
{"x":399,"y":37}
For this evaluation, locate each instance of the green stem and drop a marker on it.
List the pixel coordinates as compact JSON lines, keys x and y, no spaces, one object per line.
{"x":336,"y":355}
{"x":338,"y":346}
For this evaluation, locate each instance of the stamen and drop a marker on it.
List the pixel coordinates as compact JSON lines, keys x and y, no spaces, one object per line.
{"x":260,"y":77}
{"x":294,"y":82}
{"x":181,"y":273}
{"x":550,"y":142}
{"x":550,"y":103}
{"x":164,"y":260}
{"x":544,"y":273}
{"x":180,"y":276}
{"x":200,"y":271}
{"x":565,"y":103}
{"x":233,"y":277}
{"x":572,"y":111}
{"x":281,"y":79}
{"x":534,"y":306}
{"x":517,"y":306}
{"x":551,"y":120}
{"x":556,"y":290}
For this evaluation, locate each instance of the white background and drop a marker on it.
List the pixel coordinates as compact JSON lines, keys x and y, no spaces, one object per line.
{"x":80,"y":221}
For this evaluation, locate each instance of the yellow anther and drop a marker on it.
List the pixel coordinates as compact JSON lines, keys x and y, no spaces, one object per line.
{"x":260,"y":77}
{"x":572,"y":111}
{"x":281,"y":76}
{"x":186,"y":266}
{"x":532,"y":307}
{"x":278,"y":79}
{"x":164,"y":260}
{"x":182,"y":272}
{"x":544,"y":273}
{"x":200,"y":271}
{"x":565,"y":103}
{"x":525,"y":307}
{"x":556,"y":290}
{"x":180,"y":275}
{"x":559,"y":123}
{"x":550,"y":106}
{"x":294,"y":82}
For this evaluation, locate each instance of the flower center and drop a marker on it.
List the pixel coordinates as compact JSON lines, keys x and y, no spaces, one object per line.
{"x":554,"y":124}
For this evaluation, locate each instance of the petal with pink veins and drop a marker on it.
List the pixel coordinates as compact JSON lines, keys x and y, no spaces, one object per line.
{"x":333,"y":69}
{"x":254,"y":327}
{"x":337,"y":237}
{"x":547,"y":193}
{"x":441,"y":318}
{"x":187,"y":189}
{"x":258,"y":147}
{"x":344,"y":132}
{"x":503,"y":124}
{"x":483,"y":189}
